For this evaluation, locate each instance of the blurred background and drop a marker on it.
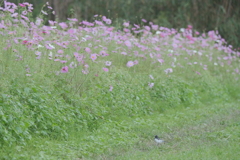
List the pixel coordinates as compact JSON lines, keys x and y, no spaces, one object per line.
{"x":203,"y":15}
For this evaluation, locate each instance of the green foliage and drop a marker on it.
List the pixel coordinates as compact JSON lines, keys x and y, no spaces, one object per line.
{"x":35,"y":110}
{"x":174,"y":92}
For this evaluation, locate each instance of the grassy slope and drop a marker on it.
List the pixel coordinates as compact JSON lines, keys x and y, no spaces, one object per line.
{"x":206,"y":132}
{"x":121,"y":124}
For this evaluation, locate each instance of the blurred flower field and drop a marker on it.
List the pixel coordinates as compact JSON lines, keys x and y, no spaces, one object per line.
{"x":78,"y":77}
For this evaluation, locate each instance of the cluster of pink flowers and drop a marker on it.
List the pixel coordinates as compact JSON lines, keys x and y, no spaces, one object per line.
{"x":96,"y":43}
{"x":132,"y":63}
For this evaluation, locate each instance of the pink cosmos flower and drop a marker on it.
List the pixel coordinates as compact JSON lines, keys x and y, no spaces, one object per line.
{"x":124,"y":53}
{"x":160,"y":61}
{"x":87,"y":23}
{"x":137,"y":26}
{"x":110,"y":29}
{"x":126,"y":24}
{"x":198,"y":73}
{"x":60,"y":51}
{"x":105,"y":69}
{"x":37,"y":53}
{"x":24,"y":13}
{"x":103,"y":53}
{"x":154,"y":27}
{"x":104,"y":18}
{"x":128,"y":43}
{"x":24,"y":17}
{"x":78,"y":57}
{"x":139,"y":31}
{"x":147,"y":28}
{"x":25,"y":42}
{"x":93,"y":57}
{"x":99,"y":23}
{"x":108,"y":21}
{"x":189,"y":37}
{"x":52,"y":23}
{"x":189,"y":27}
{"x":63,"y":25}
{"x":22,"y":5}
{"x":86,"y":66}
{"x":87,"y":49}
{"x":73,"y":19}
{"x":63,"y":61}
{"x":14,"y":15}
{"x":126,"y":30}
{"x":64,"y":69}
{"x":130,"y":63}
{"x":135,"y":62}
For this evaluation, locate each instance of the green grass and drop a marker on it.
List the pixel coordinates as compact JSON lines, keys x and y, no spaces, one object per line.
{"x":209,"y":132}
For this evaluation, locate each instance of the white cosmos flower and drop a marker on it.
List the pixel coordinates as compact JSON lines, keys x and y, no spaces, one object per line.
{"x":169,"y":70}
{"x":50,"y":54}
{"x":108,"y":63}
{"x":182,"y":30}
{"x":51,"y":46}
{"x":150,"y":85}
{"x":151,"y":76}
{"x":73,"y":65}
{"x":38,"y":21}
{"x":174,"y":59}
{"x":39,"y":46}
